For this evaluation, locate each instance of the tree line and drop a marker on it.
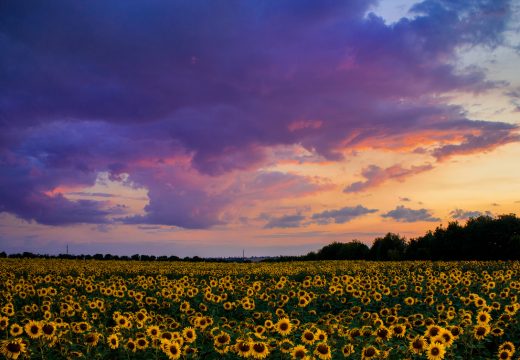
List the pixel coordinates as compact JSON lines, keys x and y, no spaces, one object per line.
{"x":480,"y":238}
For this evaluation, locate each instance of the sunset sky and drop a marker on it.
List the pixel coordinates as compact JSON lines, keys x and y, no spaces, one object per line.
{"x":208,"y":127}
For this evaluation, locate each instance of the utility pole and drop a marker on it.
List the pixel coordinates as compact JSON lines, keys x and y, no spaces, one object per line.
{"x":67,"y":249}
{"x":243,"y":255}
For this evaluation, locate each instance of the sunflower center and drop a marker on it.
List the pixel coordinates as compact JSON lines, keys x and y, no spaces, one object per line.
{"x":13,"y":347}
{"x":435,"y":351}
{"x":370,"y":352}
{"x":48,"y":329}
{"x":323,"y":349}
{"x":259,"y":348}
{"x":222,"y":339}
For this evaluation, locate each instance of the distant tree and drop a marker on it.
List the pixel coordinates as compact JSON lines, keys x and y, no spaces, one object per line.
{"x":354,"y":250}
{"x":390,"y":247}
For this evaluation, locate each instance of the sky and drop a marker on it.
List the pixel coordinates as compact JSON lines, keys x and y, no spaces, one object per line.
{"x":271,"y":127}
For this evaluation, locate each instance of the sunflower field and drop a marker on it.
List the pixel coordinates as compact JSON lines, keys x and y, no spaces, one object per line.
{"x":67,"y":309}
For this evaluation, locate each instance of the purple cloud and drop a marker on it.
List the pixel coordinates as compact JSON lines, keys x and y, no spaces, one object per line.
{"x":341,"y":216}
{"x":285,"y":221}
{"x":484,"y":142}
{"x":127,"y":89}
{"x":184,"y":199}
{"x":376,"y":175}
{"x":404,"y":214}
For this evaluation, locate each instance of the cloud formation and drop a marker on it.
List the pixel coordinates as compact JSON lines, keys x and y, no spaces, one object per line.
{"x":404,"y":214}
{"x":341,"y":216}
{"x":139,"y":88}
{"x":460,"y":214}
{"x":376,"y":175}
{"x":285,"y":221}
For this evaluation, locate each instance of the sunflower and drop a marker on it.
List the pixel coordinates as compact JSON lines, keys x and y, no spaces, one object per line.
{"x":82,"y":327}
{"x":382,"y":334}
{"x":15,"y":330}
{"x":283,"y":326}
{"x":113,"y":341}
{"x":49,"y":329}
{"x":222,"y":339}
{"x":432,"y":331}
{"x":259,"y":350}
{"x":153,"y":331}
{"x":456,"y":331}
{"x":33,"y":329}
{"x":13,"y":348}
{"x":369,"y":352}
{"x":398,"y":330}
{"x":189,"y":334}
{"x":348,"y":350}
{"x":480,"y":331}
{"x":172,"y":349}
{"x":504,"y":354}
{"x":308,"y":337}
{"x":418,"y":344}
{"x":321,"y":335}
{"x":483,"y":317}
{"x":177,"y":337}
{"x":445,"y":337}
{"x":322,"y":351}
{"x":259,"y":331}
{"x":92,"y":339}
{"x":243,"y":348}
{"x":4,"y":322}
{"x":299,"y":352}
{"x":130,"y":345}
{"x":497,"y":331}
{"x":285,"y":346}
{"x":508,"y":345}
{"x":141,"y":343}
{"x":435,"y":351}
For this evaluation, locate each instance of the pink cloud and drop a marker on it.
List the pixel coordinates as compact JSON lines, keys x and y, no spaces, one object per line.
{"x":376,"y":175}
